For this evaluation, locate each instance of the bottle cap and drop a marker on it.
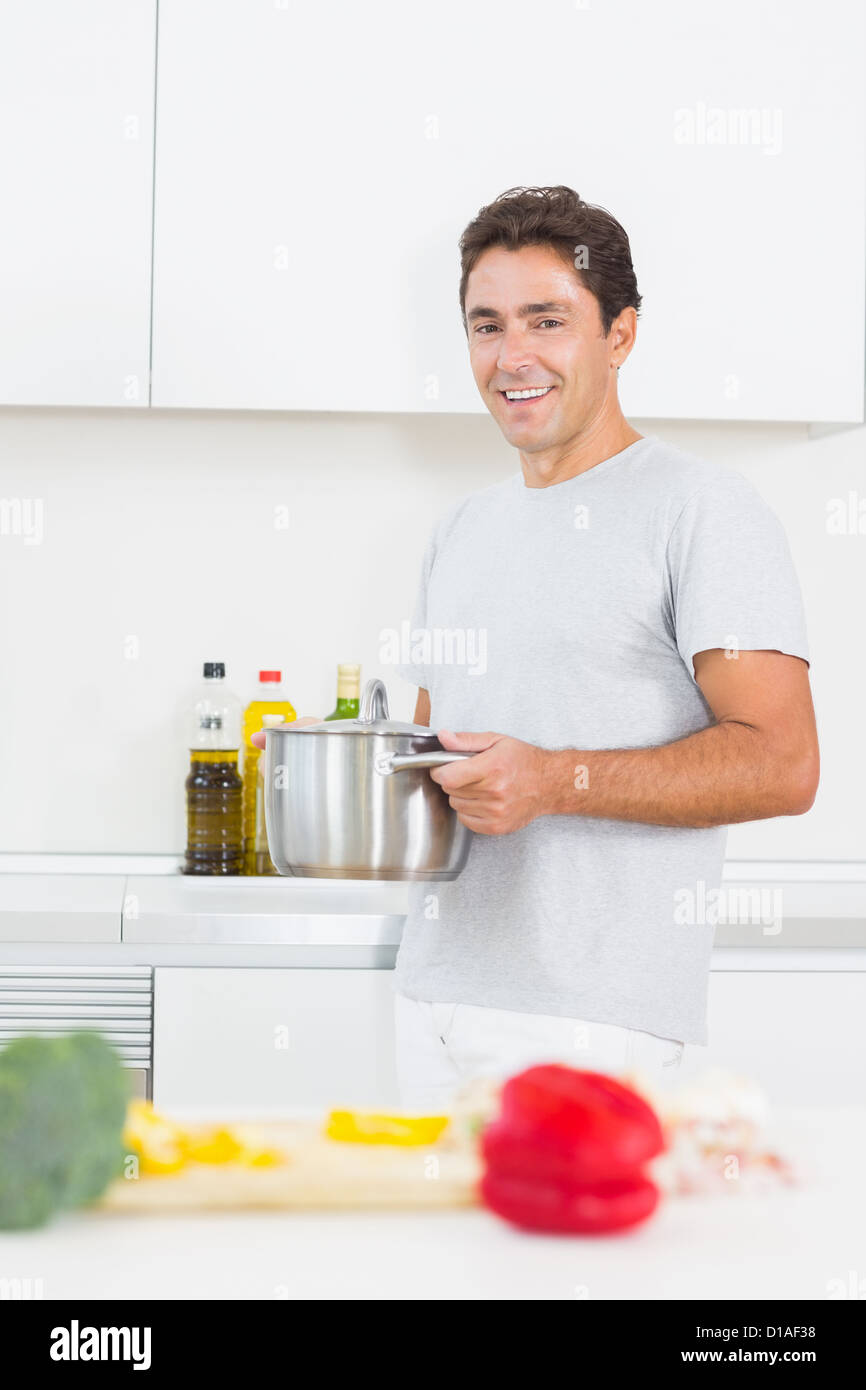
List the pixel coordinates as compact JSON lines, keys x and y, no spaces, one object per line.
{"x":348,"y":682}
{"x":214,"y":670}
{"x":270,"y":675}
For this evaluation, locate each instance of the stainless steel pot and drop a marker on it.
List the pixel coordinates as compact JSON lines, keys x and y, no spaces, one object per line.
{"x":352,"y":798}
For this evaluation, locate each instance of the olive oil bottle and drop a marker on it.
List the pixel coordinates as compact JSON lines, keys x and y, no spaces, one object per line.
{"x":348,"y":693}
{"x":268,"y":699}
{"x":213,"y":786}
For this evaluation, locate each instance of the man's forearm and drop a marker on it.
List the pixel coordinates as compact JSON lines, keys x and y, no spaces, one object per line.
{"x":719,"y":776}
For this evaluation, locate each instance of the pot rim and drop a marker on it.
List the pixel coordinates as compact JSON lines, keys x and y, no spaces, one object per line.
{"x":365,"y":731}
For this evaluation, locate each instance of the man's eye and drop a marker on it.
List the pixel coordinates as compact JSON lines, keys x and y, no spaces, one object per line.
{"x":484,"y":326}
{"x":555,"y":322}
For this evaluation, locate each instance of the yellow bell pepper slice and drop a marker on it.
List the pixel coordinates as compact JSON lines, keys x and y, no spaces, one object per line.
{"x":261,"y":1158}
{"x":159,"y":1144}
{"x":165,"y":1147}
{"x":367,"y":1127}
{"x":214,"y":1146}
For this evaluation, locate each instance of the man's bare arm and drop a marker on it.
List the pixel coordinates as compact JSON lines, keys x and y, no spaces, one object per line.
{"x":759,"y":759}
{"x":422,"y":708}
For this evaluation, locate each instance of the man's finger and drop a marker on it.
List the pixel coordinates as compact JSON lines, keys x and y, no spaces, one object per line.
{"x":467,"y":742}
{"x":468,"y":772}
{"x":258,"y":738}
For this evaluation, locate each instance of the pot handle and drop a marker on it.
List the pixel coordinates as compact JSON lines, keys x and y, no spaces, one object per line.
{"x":396,"y":762}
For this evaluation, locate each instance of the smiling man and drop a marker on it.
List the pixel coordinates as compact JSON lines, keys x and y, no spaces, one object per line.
{"x":646,"y":684}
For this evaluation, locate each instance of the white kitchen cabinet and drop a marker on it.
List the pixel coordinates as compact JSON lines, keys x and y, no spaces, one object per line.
{"x":316,"y":165}
{"x":269,"y":1040}
{"x":76,"y":170}
{"x":800,"y":1034}
{"x":258,"y":1040}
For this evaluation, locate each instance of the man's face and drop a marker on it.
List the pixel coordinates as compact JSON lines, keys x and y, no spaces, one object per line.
{"x":532,"y":324}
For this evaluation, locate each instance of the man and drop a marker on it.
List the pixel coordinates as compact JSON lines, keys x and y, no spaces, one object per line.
{"x":638,"y":681}
{"x":644,"y":684}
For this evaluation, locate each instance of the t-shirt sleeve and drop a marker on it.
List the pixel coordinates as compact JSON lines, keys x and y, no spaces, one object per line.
{"x":410,"y":666}
{"x":732,"y":582}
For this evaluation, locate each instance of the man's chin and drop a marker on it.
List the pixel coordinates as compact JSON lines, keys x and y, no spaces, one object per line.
{"x":528,"y":435}
{"x":530,"y":440}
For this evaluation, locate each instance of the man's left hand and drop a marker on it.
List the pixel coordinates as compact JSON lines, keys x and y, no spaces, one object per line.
{"x":497,"y":790}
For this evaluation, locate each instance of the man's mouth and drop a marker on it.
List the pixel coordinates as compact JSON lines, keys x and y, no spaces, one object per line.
{"x":528,"y":393}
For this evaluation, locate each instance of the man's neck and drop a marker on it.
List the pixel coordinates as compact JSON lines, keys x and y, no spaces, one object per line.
{"x":601,"y":441}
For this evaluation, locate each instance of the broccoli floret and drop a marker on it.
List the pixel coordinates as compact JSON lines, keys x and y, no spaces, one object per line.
{"x":62,"y":1112}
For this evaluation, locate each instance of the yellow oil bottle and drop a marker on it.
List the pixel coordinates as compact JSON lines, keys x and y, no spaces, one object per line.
{"x":269,"y":699}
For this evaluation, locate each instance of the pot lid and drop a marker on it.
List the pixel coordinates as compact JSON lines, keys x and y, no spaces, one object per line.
{"x":372,"y":719}
{"x":360,"y":726}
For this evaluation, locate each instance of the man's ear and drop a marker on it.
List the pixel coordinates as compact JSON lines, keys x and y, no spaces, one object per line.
{"x":621,"y":337}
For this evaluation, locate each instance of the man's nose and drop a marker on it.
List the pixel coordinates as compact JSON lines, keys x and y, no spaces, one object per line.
{"x":514,"y":352}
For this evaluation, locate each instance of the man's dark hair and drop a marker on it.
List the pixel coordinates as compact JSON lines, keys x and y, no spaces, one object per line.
{"x":588,"y":238}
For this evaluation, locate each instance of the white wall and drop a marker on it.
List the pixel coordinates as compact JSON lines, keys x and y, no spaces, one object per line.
{"x":160,"y":526}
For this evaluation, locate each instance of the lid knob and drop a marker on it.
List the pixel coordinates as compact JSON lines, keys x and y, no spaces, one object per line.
{"x":374,"y":702}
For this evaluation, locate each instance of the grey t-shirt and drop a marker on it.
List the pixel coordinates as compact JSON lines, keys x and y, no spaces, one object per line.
{"x":568,"y":616}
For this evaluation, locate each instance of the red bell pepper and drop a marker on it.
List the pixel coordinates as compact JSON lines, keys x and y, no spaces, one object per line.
{"x":569,"y":1208}
{"x":518,"y":1149}
{"x":568,"y":1106}
{"x":567,"y":1151}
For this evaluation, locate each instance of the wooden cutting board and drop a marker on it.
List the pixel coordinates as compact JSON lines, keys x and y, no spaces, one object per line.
{"x":319,"y":1173}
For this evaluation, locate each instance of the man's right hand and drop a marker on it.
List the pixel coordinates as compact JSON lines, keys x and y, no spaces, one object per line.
{"x":258,"y":738}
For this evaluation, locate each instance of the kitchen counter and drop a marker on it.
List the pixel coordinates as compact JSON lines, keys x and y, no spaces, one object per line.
{"x":790,"y":1243}
{"x":182,"y":973}
{"x":787,"y":915}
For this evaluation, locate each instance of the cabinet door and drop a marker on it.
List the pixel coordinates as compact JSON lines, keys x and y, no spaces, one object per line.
{"x":798,"y":1033}
{"x":317,"y":164}
{"x":255,"y":1041}
{"x":76,"y":170}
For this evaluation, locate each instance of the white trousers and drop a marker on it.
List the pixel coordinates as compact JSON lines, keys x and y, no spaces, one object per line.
{"x":439,"y":1047}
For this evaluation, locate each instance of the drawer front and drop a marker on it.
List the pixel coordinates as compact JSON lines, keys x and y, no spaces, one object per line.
{"x":50,"y":1000}
{"x":273,"y":1040}
{"x":798,"y":1033}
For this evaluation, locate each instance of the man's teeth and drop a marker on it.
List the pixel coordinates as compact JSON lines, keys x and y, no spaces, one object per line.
{"x":527,"y":395}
